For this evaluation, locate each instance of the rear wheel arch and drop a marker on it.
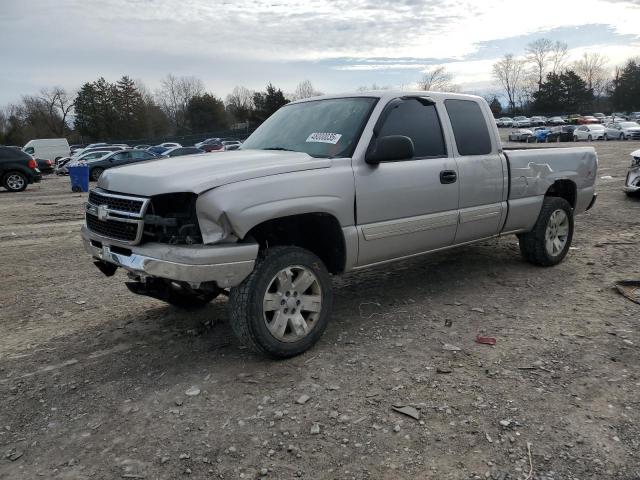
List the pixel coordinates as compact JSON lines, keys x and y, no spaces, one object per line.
{"x":564,"y":189}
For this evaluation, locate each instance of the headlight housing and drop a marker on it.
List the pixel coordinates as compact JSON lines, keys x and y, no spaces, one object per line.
{"x":171,"y":218}
{"x":635,"y":161}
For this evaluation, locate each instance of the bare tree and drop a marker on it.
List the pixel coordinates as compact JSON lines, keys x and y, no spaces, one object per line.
{"x":591,"y":68}
{"x":57,"y":104}
{"x":539,"y":54}
{"x":174,"y":96}
{"x":239,"y":103}
{"x":373,"y":87}
{"x":437,"y":79}
{"x":508,"y":71}
{"x":304,"y":90}
{"x":559,"y":56}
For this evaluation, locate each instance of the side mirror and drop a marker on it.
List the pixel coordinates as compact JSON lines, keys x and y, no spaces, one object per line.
{"x":389,"y":149}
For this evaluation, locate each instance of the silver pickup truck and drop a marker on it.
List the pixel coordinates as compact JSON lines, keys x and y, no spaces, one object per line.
{"x":326,"y":186}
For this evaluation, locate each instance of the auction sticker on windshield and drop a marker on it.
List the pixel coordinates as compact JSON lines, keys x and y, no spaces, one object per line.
{"x":332,"y":138}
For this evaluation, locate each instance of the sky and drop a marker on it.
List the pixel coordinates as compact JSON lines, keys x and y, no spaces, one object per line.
{"x":338,"y":45}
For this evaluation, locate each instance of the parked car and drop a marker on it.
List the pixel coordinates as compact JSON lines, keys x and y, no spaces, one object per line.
{"x":208,"y":141}
{"x":110,"y":148}
{"x":520,"y":135}
{"x":326,"y":186}
{"x":231,"y":145}
{"x":180,"y":151}
{"x":555,"y":121}
{"x":520,"y":122}
{"x":142,"y":147}
{"x":116,"y":159}
{"x":562,"y":133}
{"x":504,"y":122}
{"x":17,"y":169}
{"x":589,"y":132}
{"x":63,"y":164}
{"x":45,"y":166}
{"x":157,"y":150}
{"x":540,"y":134}
{"x":169,"y":145}
{"x":622,"y":131}
{"x":599,"y":116}
{"x":587,"y":120}
{"x":213,"y":147}
{"x":632,"y":183}
{"x":634,"y":116}
{"x":77,"y":146}
{"x":573,"y":118}
{"x":538,"y":121}
{"x":47,"y":148}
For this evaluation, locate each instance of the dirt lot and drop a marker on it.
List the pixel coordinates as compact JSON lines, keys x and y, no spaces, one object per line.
{"x":93,"y":379}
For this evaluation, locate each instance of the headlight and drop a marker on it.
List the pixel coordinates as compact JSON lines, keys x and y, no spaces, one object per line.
{"x":635,"y":161}
{"x":171,"y":218}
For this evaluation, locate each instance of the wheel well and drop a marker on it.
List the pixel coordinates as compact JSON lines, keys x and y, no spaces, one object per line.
{"x":564,"y":189}
{"x":319,"y":233}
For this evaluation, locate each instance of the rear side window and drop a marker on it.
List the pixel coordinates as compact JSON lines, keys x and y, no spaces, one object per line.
{"x":469,"y":127}
{"x":418,"y":122}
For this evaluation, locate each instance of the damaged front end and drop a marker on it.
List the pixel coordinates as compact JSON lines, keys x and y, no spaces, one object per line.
{"x":632,"y":183}
{"x":158,"y":240}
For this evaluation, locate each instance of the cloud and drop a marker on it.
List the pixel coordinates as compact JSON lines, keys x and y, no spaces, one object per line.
{"x":338,"y":44}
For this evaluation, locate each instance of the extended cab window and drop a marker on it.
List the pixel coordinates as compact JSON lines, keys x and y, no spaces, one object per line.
{"x":469,"y":127}
{"x":420,"y":123}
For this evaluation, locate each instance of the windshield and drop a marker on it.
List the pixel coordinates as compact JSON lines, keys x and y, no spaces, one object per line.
{"x":320,"y":128}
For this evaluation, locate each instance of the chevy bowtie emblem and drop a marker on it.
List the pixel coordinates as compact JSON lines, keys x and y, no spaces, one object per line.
{"x":103,"y":213}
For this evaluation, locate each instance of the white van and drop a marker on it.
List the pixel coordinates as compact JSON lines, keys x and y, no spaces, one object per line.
{"x":48,"y":148}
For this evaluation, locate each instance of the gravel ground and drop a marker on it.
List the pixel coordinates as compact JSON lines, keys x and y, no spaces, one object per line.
{"x":98,"y":383}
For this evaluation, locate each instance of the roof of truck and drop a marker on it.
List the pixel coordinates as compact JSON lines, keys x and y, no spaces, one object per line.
{"x":389,"y":94}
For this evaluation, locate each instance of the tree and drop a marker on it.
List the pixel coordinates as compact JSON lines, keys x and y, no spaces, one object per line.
{"x":174,"y":96}
{"x":625,"y":87}
{"x":268,"y":102}
{"x":58,"y":104}
{"x":539,"y":54}
{"x":495,"y":106}
{"x":591,"y":68}
{"x":304,"y":90}
{"x":508,"y":71}
{"x":437,"y":79}
{"x":559,"y":56}
{"x":239,"y":104}
{"x":373,"y":88}
{"x":565,"y":92}
{"x":131,"y":109}
{"x":205,"y":113}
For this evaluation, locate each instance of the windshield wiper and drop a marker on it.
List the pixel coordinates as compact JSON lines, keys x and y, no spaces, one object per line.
{"x":280,"y":148}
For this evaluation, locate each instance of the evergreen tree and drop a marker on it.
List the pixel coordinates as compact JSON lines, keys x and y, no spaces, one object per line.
{"x":625,"y":88}
{"x":268,"y":102}
{"x":206,"y":113}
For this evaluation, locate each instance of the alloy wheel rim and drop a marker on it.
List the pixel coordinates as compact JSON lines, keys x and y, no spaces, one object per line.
{"x":292,"y":303}
{"x":557,"y":233}
{"x":15,"y":182}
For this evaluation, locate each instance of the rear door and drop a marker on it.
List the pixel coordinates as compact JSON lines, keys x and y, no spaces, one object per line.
{"x":481,"y":170}
{"x":408,"y":206}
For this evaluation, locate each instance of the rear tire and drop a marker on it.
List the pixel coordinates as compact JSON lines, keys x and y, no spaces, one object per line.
{"x":575,"y":138}
{"x":15,"y":181}
{"x":283,"y":307}
{"x":550,"y":239}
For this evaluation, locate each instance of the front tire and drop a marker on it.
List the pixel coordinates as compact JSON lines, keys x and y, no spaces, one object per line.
{"x":283,"y":307}
{"x":15,"y":181}
{"x":550,"y":239}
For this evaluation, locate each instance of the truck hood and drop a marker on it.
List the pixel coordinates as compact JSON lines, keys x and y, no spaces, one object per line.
{"x":202,"y":172}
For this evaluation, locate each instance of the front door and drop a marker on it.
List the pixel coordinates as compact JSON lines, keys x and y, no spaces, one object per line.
{"x":409,"y":206}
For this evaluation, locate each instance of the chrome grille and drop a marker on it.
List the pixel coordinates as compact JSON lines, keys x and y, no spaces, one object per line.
{"x":119,"y":203}
{"x":115,"y":216}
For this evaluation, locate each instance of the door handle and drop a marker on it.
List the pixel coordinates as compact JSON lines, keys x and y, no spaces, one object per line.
{"x":448,"y":176}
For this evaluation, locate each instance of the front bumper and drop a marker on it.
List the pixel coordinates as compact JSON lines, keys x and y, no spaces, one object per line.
{"x":632,"y":182}
{"x":226,"y":264}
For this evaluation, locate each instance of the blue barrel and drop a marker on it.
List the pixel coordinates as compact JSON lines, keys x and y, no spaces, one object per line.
{"x":79,"y":176}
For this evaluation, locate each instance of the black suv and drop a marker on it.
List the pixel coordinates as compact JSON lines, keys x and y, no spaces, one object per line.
{"x":17,"y":169}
